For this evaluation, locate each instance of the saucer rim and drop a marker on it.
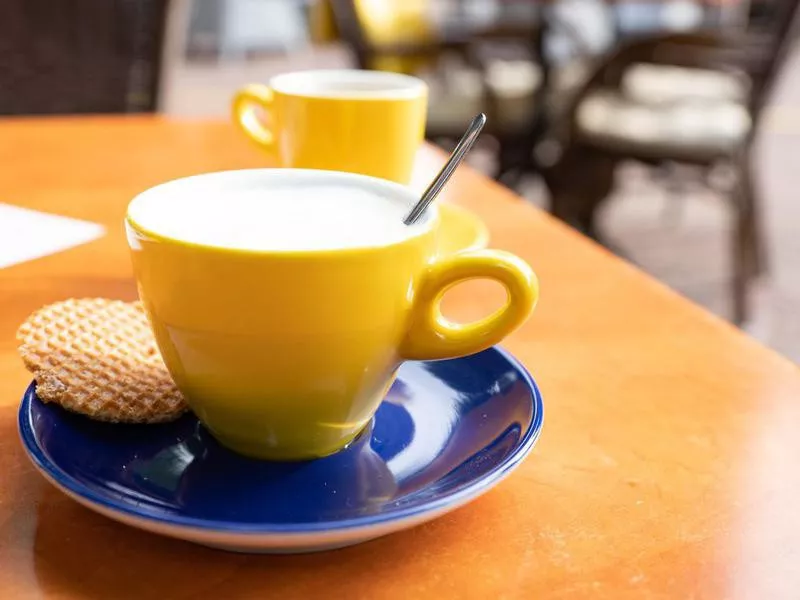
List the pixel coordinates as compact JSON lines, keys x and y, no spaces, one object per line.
{"x":421,"y":513}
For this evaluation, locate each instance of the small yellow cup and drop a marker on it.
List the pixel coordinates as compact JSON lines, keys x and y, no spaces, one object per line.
{"x":367,"y":122}
{"x":287,"y":354}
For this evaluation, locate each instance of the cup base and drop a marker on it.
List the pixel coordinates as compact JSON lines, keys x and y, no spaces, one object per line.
{"x":259,"y":451}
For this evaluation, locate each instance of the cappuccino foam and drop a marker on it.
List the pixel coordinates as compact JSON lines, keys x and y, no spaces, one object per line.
{"x":303,"y":215}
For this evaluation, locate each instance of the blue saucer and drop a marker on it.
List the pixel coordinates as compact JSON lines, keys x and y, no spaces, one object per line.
{"x":447,"y":432}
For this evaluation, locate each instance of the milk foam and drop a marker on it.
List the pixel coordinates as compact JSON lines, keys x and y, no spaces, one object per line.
{"x":283,"y":216}
{"x":348,"y":83}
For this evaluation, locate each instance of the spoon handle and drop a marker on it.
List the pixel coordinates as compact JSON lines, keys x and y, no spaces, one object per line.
{"x":464,"y":144}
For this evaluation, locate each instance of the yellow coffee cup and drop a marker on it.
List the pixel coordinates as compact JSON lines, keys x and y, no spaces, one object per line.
{"x":367,"y":122}
{"x":285,"y":351}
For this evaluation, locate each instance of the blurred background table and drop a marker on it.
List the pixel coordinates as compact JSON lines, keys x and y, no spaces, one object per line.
{"x":667,"y":466}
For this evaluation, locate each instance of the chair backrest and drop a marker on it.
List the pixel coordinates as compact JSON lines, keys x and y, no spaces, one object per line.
{"x":80,"y":56}
{"x":779,"y":38}
{"x":761,"y":52}
{"x":349,"y":27}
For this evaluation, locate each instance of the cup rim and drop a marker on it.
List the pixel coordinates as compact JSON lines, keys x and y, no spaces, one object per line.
{"x":398,"y":85}
{"x":383,"y":186}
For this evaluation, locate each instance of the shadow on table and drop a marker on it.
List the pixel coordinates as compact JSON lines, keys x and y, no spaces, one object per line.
{"x":80,"y":554}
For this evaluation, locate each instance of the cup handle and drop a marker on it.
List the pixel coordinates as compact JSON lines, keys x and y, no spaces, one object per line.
{"x":432,"y":337}
{"x":244,"y":103}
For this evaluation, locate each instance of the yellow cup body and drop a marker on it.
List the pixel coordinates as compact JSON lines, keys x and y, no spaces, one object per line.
{"x":365,"y":122}
{"x":287,"y":354}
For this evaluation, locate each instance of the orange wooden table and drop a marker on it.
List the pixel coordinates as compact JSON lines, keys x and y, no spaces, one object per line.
{"x":667,"y":467}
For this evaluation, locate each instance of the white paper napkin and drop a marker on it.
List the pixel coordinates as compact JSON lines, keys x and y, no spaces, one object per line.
{"x":28,"y":234}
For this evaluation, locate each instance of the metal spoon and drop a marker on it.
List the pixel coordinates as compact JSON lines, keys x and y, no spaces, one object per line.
{"x":464,"y":144}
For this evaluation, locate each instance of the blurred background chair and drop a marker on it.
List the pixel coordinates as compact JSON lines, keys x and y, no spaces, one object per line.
{"x":489,"y":64}
{"x":588,"y":30}
{"x":80,"y":56}
{"x":687,"y":99}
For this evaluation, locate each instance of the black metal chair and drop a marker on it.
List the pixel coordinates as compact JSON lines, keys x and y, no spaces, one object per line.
{"x":705,"y":113}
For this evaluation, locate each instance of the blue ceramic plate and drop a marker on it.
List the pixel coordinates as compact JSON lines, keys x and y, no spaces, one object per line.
{"x":447,"y":432}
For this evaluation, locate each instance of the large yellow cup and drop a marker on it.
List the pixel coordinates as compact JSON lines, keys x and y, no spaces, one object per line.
{"x":367,"y":122}
{"x":287,"y":354}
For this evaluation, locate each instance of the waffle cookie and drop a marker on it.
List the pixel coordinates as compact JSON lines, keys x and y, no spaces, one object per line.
{"x":98,"y":357}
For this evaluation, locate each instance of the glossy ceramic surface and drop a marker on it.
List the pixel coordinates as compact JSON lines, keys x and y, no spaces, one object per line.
{"x":446,"y":433}
{"x":345,"y":120}
{"x":335,"y":323}
{"x":459,"y":229}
